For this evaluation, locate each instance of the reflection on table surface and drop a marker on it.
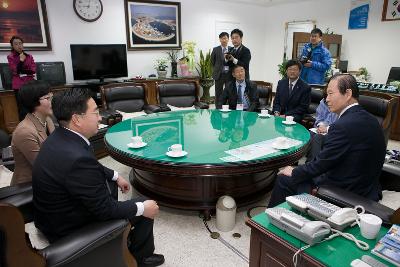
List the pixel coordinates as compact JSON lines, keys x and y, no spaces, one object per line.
{"x":204,"y":134}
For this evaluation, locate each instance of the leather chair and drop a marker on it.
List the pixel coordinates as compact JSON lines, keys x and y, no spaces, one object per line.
{"x":6,"y":76}
{"x":126,"y":97}
{"x":394,"y":75}
{"x":264,"y":90}
{"x":179,"y":94}
{"x":7,"y":157}
{"x":317,"y":94}
{"x":99,"y":244}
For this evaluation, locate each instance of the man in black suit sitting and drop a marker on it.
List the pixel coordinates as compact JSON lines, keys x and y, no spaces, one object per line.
{"x":241,"y":94}
{"x":353,"y":153}
{"x":292,"y":93}
{"x":72,"y":189}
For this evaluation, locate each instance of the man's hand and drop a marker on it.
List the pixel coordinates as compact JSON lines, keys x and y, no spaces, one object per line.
{"x":150,"y":209}
{"x":308,"y":64}
{"x":123,"y":184}
{"x":322,"y":129}
{"x":22,"y":57}
{"x":276,"y":113}
{"x":287,"y":171}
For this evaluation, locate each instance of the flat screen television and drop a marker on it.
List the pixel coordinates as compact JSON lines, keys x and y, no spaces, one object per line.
{"x":98,"y":61}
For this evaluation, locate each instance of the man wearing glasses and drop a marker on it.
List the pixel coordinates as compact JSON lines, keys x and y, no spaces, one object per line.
{"x":70,"y":187}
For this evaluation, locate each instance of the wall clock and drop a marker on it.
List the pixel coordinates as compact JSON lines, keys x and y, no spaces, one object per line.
{"x":88,"y":10}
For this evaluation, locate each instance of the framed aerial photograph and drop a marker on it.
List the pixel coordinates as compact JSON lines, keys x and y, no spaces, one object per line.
{"x":26,"y":19}
{"x":153,"y":24}
{"x":391,"y":10}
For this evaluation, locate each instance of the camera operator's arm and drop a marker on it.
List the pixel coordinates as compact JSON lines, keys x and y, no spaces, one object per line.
{"x":325,"y":62}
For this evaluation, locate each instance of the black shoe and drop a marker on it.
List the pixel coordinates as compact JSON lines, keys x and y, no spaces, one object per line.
{"x":152,"y":261}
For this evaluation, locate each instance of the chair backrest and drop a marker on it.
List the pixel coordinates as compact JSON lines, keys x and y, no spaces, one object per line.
{"x":6,"y":76}
{"x":316,"y":96}
{"x":51,"y":72}
{"x":382,"y":106}
{"x":126,"y":97}
{"x":264,"y":90}
{"x":178,"y":93}
{"x":394,"y":75}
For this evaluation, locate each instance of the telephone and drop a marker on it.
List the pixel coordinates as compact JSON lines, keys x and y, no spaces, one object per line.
{"x":308,"y":231}
{"x":338,"y":218}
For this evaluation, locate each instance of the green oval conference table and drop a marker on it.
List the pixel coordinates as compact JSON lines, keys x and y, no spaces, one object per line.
{"x":229,"y":153}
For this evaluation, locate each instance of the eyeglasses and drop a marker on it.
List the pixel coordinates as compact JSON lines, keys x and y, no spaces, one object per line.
{"x":49,"y":97}
{"x":97,"y":113}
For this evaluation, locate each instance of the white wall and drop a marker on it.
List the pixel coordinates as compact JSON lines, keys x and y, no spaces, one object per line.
{"x":197,"y":20}
{"x":375,"y":48}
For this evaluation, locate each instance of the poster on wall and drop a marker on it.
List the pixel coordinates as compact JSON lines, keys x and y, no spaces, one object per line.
{"x":153,"y":24}
{"x":26,"y":19}
{"x":358,"y":18}
{"x":391,"y":10}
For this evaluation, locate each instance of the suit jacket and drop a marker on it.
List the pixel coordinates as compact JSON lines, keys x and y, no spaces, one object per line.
{"x":230,"y":95}
{"x":243,"y":56}
{"x":296,"y":103}
{"x":69,"y":187}
{"x":352,"y":155}
{"x":25,"y":144}
{"x":218,"y":61}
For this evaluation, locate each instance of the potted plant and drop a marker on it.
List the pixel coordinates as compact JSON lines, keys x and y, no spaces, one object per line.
{"x":173,"y":57}
{"x":161,"y":67}
{"x":204,"y":69}
{"x":282,"y":68}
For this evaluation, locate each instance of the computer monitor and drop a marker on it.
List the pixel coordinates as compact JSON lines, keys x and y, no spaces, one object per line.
{"x":98,"y":61}
{"x":343,"y":66}
{"x":51,"y":72}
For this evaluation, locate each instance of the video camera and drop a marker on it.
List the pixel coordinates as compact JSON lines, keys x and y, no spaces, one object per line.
{"x":304,"y":59}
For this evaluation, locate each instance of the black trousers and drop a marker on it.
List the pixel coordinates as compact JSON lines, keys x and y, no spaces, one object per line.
{"x":219,"y":85}
{"x":140,"y":238}
{"x":284,"y":187}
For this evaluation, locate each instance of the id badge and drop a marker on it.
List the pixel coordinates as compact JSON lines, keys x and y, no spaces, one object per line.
{"x":239,"y":106}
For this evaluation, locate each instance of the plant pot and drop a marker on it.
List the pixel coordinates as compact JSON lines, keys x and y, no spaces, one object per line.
{"x":162,"y":74}
{"x":174,"y":69}
{"x":206,"y":84}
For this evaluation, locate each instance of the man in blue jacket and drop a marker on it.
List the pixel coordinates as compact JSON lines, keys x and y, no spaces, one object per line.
{"x":353,"y":153}
{"x":316,"y":59}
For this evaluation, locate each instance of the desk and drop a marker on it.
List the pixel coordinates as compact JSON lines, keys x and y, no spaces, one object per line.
{"x":270,"y":246}
{"x":197,"y":180}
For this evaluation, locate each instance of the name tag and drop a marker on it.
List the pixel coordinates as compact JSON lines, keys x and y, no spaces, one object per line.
{"x":239,"y":106}
{"x":23,"y":75}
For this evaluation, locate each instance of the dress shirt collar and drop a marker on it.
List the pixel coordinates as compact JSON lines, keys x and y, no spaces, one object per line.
{"x":84,"y":138}
{"x":294,"y":82}
{"x":243,"y":83}
{"x":346,"y":108}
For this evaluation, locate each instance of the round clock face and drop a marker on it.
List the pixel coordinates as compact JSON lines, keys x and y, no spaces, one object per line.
{"x":88,"y":10}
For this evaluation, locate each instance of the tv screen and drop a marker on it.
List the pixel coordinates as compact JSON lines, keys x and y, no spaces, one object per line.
{"x":98,"y":61}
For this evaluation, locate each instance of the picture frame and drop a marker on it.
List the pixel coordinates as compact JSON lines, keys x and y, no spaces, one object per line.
{"x":391,"y":10}
{"x":26,"y":19}
{"x":153,"y":25}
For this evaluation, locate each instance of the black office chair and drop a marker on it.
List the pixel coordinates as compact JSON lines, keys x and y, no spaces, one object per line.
{"x":100,"y":244}
{"x":309,"y":118}
{"x":6,"y":76}
{"x":394,"y":75}
{"x":264,"y":91}
{"x":51,"y":72}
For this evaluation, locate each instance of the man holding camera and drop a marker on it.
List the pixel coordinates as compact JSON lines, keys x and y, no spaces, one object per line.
{"x":221,"y":73}
{"x":316,"y":59}
{"x":239,"y":54}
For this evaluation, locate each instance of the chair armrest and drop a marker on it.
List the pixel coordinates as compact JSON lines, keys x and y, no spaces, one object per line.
{"x":19,"y":196}
{"x":14,"y":190}
{"x":80,"y":246}
{"x":106,"y":117}
{"x":344,"y":198}
{"x":152,"y":109}
{"x":200,"y":105}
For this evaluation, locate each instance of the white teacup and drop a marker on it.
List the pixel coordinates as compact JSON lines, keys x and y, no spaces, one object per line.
{"x":281,"y":141}
{"x":369,"y":225}
{"x":175,"y":149}
{"x":225,"y":107}
{"x":137,"y":140}
{"x":289,"y":119}
{"x":264,"y":112}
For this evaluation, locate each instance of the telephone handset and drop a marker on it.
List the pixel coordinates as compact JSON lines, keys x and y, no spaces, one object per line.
{"x":308,"y":231}
{"x":343,"y":216}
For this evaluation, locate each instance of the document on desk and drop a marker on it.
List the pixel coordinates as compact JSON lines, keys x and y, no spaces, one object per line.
{"x":257,"y":150}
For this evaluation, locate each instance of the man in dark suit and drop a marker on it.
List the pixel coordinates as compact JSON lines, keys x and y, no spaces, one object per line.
{"x":292,"y":93}
{"x":241,"y":94}
{"x":353,"y":153}
{"x":221,"y":73}
{"x":239,"y":54}
{"x":71,"y":188}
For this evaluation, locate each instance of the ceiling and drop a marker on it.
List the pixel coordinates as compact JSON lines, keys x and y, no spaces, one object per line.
{"x":266,"y":2}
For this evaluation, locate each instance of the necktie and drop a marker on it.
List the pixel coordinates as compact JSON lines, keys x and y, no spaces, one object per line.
{"x":290,"y":88}
{"x":239,"y":92}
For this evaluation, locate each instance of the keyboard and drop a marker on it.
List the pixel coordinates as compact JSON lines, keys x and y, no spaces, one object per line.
{"x":314,"y":204}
